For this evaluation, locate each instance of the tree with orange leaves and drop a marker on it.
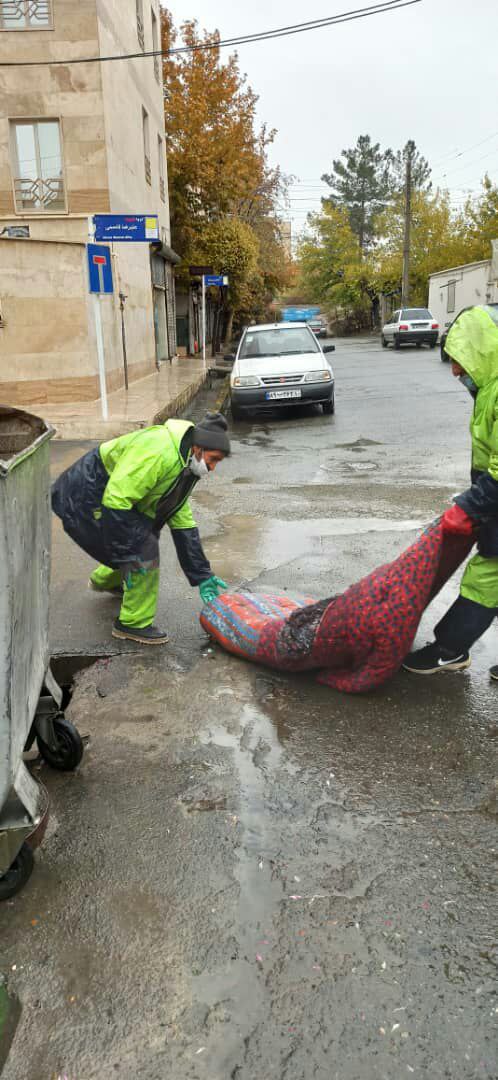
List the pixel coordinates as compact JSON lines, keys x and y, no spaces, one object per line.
{"x":218,"y":171}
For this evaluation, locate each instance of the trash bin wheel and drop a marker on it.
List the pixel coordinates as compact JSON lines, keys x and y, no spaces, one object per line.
{"x":69,"y":750}
{"x":18,"y":873}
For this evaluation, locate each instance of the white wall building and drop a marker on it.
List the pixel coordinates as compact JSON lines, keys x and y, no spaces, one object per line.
{"x":463,"y":286}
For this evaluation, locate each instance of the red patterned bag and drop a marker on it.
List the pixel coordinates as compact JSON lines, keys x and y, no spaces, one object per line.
{"x":357,"y":640}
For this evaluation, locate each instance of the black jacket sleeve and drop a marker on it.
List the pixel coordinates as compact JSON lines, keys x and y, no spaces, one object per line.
{"x":481,"y":499}
{"x":128,"y":537}
{"x":191,"y":557}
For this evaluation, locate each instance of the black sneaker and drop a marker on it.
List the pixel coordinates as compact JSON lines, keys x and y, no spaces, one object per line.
{"x":433,"y":658}
{"x":493,"y":671}
{"x":145,"y":635}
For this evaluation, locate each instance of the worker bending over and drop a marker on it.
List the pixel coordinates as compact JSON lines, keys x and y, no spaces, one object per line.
{"x":114,"y":501}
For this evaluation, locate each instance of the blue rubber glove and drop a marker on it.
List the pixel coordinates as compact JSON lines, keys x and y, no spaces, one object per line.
{"x":211,"y":588}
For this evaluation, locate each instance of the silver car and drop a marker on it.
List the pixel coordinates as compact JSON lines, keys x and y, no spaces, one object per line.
{"x":410,"y":326}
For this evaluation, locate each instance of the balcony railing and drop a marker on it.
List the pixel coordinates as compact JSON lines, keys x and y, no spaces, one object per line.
{"x":25,"y":14}
{"x":148,"y":173}
{"x":162,"y":189}
{"x":39,"y":195}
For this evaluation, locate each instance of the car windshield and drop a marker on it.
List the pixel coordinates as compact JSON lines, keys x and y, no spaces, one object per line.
{"x":278,"y":342}
{"x":416,"y":313}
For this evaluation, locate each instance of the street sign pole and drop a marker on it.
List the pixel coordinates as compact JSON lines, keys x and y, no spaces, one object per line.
{"x":204,"y":320}
{"x":97,"y":311}
{"x":97,"y":315}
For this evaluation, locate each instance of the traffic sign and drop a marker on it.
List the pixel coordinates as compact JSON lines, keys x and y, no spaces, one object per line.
{"x":134,"y":228}
{"x":99,"y":268}
{"x":299,"y":314}
{"x":215,"y":279}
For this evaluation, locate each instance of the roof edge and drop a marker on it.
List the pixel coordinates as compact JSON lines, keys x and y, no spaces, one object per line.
{"x":463,"y":266}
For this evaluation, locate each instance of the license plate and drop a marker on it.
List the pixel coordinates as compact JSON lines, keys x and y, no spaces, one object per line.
{"x":277,"y":395}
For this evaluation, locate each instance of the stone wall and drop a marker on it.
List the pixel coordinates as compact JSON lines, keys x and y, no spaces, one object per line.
{"x":47,"y":339}
{"x":47,"y":332}
{"x":71,"y":94}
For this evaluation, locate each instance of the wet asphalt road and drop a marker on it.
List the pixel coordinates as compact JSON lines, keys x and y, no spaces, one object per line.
{"x":252,"y":877}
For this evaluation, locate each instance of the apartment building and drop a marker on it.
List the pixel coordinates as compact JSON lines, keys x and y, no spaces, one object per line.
{"x":78,"y":139}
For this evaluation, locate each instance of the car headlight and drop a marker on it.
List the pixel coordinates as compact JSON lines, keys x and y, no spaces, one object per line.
{"x":318,"y":376}
{"x":245,"y":380}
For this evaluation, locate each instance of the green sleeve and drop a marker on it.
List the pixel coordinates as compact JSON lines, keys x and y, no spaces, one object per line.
{"x":183,"y":519}
{"x":135,"y":474}
{"x":493,"y":447}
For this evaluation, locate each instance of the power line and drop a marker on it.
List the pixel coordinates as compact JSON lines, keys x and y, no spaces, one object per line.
{"x":468,"y":164}
{"x":460,"y":153}
{"x":265,"y":35}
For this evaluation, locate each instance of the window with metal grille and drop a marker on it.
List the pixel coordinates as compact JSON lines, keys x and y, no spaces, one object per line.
{"x":155,"y":45}
{"x":162,"y":170}
{"x":146,"y":139}
{"x":25,"y":14}
{"x":140,"y":25}
{"x":37,"y":166}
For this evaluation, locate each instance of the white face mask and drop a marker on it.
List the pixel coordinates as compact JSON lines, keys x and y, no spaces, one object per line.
{"x":198,"y":467}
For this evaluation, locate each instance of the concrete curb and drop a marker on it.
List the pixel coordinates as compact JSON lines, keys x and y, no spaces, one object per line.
{"x":75,"y":428}
{"x":222,"y":401}
{"x":180,"y":402}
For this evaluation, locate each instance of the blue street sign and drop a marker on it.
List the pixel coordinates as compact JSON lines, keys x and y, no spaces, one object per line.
{"x":215,"y":279}
{"x":299,"y":314}
{"x":136,"y":228}
{"x":99,"y":268}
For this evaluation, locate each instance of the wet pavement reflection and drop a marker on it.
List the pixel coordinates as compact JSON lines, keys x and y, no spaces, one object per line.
{"x":252,"y":876}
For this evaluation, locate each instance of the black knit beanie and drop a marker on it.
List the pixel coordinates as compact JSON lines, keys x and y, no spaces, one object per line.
{"x":211,"y":433}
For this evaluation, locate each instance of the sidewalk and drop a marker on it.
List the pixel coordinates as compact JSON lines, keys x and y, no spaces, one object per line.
{"x":165,"y":393}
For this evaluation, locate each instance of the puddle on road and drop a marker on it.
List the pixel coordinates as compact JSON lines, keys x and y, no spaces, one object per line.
{"x":361,"y":466}
{"x":249,"y":545}
{"x":256,"y":751}
{"x":360,"y":444}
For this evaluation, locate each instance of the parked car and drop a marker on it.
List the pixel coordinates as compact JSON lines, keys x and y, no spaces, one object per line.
{"x":318,"y":327}
{"x":281,"y":364}
{"x":444,"y":355}
{"x":410,"y":326}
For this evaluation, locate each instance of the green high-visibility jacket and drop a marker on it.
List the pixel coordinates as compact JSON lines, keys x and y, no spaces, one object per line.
{"x":114,"y":501}
{"x":473,"y":342}
{"x":143,"y":466}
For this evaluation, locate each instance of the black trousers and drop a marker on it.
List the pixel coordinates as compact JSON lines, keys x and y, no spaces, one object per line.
{"x":464,"y":623}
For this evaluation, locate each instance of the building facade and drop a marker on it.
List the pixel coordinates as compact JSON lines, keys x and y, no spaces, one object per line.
{"x":463,"y":286}
{"x":75,"y":140}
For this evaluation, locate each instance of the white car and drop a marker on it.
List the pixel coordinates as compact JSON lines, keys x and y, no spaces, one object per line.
{"x":281,"y":364}
{"x":410,"y":326}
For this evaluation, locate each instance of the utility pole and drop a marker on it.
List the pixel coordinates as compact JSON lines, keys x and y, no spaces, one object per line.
{"x":405,"y":285}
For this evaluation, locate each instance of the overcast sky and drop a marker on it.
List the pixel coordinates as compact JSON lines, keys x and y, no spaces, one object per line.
{"x":428,"y":72}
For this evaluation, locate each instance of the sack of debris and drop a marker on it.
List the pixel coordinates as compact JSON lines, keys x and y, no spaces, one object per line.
{"x":356,"y":640}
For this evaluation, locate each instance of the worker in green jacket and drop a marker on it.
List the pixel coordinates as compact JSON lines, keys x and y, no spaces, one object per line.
{"x":115,"y":500}
{"x":472,"y":347}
